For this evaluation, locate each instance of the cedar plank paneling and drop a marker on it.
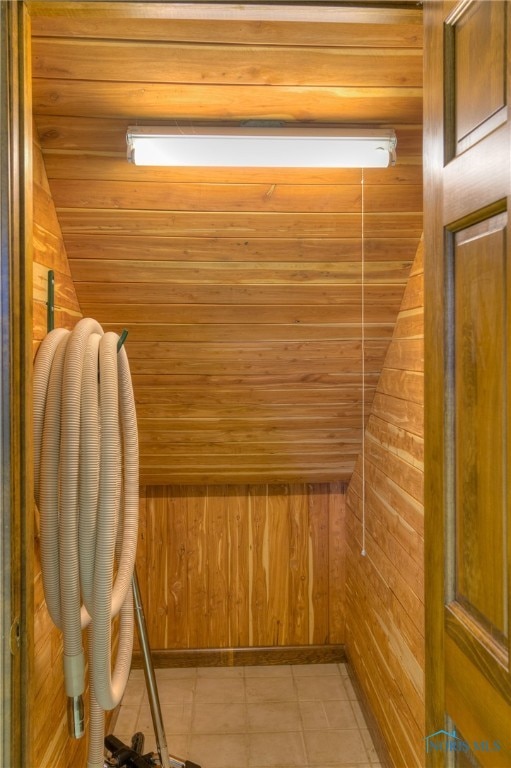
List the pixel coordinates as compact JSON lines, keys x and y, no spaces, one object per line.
{"x":266,"y":367}
{"x":346,"y":438}
{"x":177,"y":575}
{"x":249,"y":332}
{"x":321,"y":381}
{"x":270,"y":197}
{"x":318,"y":554}
{"x":217,"y":542}
{"x":156,"y":101}
{"x":238,"y":522}
{"x":51,"y":747}
{"x":155,"y":10}
{"x":87,"y":60}
{"x":220,"y":224}
{"x":243,"y":566}
{"x":403,"y":383}
{"x":307,"y":394}
{"x":298,"y":614}
{"x":277,"y":349}
{"x":278,"y":555}
{"x":144,"y":293}
{"x":258,"y":564}
{"x":227,"y":475}
{"x":403,"y":443}
{"x":122,"y":314}
{"x":385,"y":589}
{"x":45,"y":205}
{"x":142,"y":550}
{"x":252,"y":251}
{"x":65,"y":295}
{"x":403,"y":413}
{"x":410,"y":323}
{"x":246,"y":460}
{"x":157,"y":563}
{"x":273,"y":198}
{"x":336,"y":563}
{"x":405,"y":34}
{"x":287,"y":273}
{"x":49,"y":250}
{"x":113,"y":166}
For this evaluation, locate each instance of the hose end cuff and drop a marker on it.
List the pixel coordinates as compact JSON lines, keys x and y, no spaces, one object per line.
{"x":75,"y":717}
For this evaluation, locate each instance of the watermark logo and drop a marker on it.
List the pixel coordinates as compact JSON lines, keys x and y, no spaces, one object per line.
{"x":449,"y":741}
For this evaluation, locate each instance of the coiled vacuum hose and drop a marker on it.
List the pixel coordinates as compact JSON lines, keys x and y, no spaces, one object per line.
{"x":86,"y":488}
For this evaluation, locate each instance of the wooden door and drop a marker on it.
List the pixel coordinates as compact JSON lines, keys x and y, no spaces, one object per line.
{"x":468,"y":382}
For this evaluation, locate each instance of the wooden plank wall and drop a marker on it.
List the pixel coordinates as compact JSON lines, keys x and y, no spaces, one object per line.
{"x":51,"y":747}
{"x":242,"y":566}
{"x":384,"y":590}
{"x":240,"y":287}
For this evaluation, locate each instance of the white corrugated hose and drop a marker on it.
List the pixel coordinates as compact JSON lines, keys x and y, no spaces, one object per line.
{"x":86,"y":489}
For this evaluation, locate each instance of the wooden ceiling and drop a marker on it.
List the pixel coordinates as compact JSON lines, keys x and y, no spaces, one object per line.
{"x":241,"y":289}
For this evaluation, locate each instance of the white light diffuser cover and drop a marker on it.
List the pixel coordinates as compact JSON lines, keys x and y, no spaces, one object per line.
{"x":281,"y":147}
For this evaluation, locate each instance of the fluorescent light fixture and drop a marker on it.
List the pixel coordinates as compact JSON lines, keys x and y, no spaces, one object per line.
{"x":260,"y":147}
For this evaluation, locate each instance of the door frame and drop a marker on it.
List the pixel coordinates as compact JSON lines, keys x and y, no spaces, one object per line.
{"x":16,"y":498}
{"x":434,"y":366}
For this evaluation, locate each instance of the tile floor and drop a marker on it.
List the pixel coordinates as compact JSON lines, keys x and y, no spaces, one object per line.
{"x":304,"y":716}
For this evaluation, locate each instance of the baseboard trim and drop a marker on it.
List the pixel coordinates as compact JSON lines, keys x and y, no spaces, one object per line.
{"x":372,"y":723}
{"x":239,"y":657}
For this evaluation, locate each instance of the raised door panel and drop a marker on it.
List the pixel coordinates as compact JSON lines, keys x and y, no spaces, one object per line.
{"x":480,"y":395}
{"x":479,"y":63}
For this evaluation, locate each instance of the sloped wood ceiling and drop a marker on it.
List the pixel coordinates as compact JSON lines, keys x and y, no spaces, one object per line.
{"x":241,"y":289}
